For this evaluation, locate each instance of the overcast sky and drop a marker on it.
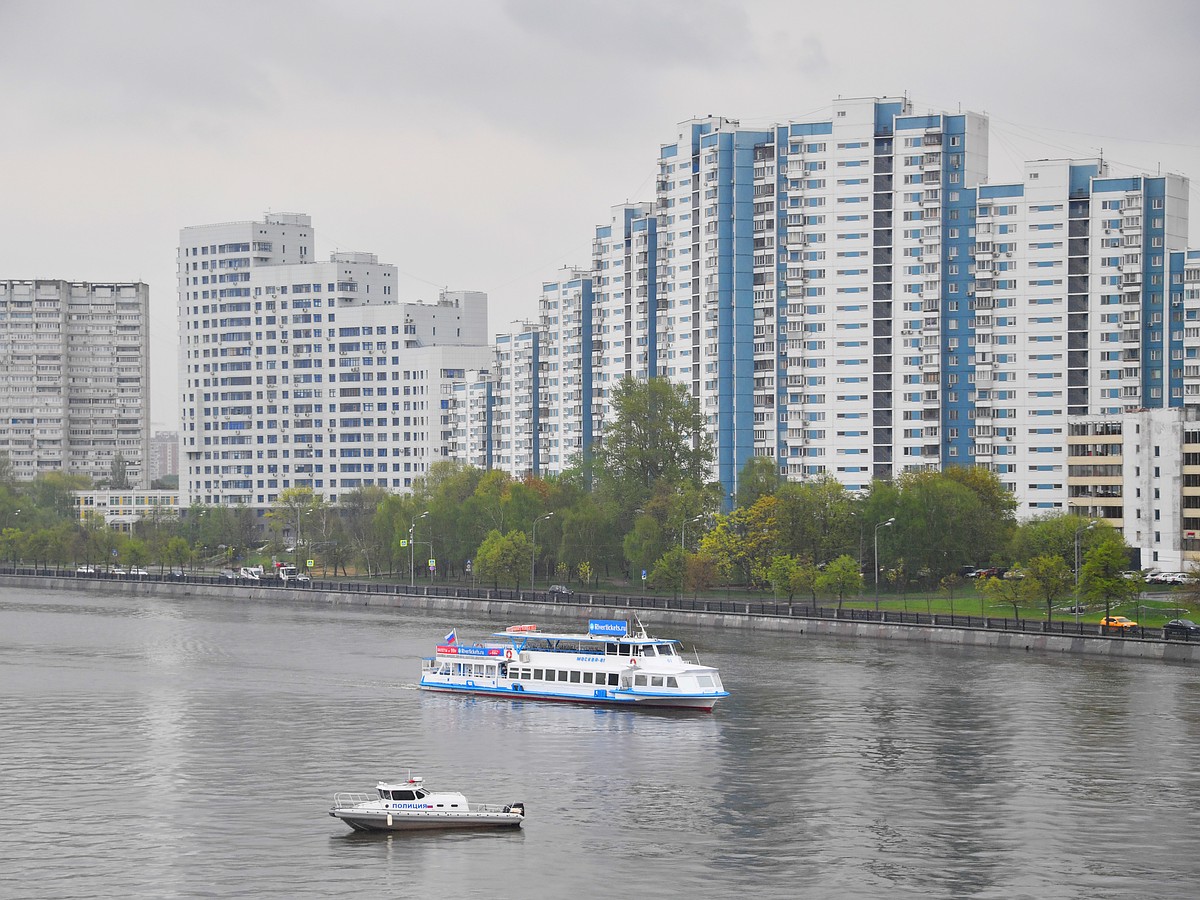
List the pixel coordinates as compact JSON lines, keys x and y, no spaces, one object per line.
{"x":475,"y":145}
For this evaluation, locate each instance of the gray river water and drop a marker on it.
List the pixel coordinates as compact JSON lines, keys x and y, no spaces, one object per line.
{"x":191,"y":748}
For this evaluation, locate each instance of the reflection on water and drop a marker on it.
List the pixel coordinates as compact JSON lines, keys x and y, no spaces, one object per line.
{"x":192,"y":747}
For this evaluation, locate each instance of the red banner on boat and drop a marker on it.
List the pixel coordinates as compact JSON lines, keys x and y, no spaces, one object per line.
{"x":456,"y":650}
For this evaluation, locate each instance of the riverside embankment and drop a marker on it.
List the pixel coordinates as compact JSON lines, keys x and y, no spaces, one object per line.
{"x":509,"y":607}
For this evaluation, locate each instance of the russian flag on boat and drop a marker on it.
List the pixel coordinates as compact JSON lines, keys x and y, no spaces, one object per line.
{"x":452,"y":637}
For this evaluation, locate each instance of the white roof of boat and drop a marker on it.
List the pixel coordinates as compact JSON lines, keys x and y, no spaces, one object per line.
{"x":584,"y":636}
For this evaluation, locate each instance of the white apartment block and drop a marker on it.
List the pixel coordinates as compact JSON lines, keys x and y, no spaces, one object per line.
{"x":851,"y":297}
{"x":297,"y":373}
{"x":74,"y":377}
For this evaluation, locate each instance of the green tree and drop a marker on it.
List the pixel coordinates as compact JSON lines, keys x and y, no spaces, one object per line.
{"x":503,"y":557}
{"x":656,"y":435}
{"x":669,"y":571}
{"x":644,"y":544}
{"x":294,"y":515}
{"x":841,"y":577}
{"x":1048,"y":578}
{"x":11,"y":543}
{"x":118,"y":478}
{"x":1012,"y":591}
{"x":1101,"y":579}
{"x":759,"y":478}
{"x":584,"y":571}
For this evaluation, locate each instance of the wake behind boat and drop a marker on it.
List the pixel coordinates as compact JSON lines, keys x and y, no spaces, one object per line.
{"x":607,"y":665}
{"x":410,"y":806}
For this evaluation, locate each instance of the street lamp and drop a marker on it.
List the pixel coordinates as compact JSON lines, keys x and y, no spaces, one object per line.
{"x":1079,"y":531}
{"x":889,"y":522}
{"x":533,"y":555}
{"x":412,"y":559}
{"x":683,"y":535}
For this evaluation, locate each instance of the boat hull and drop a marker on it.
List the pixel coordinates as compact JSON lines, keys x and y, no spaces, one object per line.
{"x":614,"y":698}
{"x":366,"y":820}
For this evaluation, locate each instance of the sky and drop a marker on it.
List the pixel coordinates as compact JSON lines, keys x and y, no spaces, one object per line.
{"x":476,"y":145}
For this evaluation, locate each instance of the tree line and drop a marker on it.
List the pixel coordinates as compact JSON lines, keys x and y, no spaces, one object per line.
{"x":639,"y":503}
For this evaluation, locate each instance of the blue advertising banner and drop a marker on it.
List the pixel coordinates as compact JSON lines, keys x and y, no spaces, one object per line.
{"x":612,"y":627}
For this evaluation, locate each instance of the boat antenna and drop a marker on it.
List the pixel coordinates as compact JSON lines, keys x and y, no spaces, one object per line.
{"x":641,"y":627}
{"x":697,"y":653}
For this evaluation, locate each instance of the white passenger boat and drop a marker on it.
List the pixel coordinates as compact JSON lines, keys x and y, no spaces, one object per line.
{"x":607,"y":665}
{"x":410,"y":806}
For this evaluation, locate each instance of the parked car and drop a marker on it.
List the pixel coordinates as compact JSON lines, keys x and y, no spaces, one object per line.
{"x":86,"y":570}
{"x":229,"y":574}
{"x":118,"y":570}
{"x":1182,"y":628}
{"x":248,"y":574}
{"x":558,"y":591}
{"x":1117,"y":622}
{"x":177,"y":573}
{"x":137,"y":572}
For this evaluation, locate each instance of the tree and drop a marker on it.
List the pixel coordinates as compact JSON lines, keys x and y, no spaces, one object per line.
{"x":790,"y":575}
{"x":841,"y":577}
{"x":503,"y":557}
{"x":294,"y":513}
{"x":1012,"y":591}
{"x":644,"y":544}
{"x":1049,"y":578}
{"x":118,"y":478}
{"x":700,"y":574}
{"x":656,"y":435}
{"x":669,"y":571}
{"x":759,"y":477}
{"x":1101,"y":579}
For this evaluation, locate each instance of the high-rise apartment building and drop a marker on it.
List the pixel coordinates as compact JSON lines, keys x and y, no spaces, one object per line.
{"x":297,"y":373}
{"x":851,"y":297}
{"x":164,"y":455}
{"x":74,"y":378}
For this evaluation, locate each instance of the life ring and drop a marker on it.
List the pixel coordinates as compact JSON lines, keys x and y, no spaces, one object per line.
{"x":508,"y":654}
{"x":632,"y":661}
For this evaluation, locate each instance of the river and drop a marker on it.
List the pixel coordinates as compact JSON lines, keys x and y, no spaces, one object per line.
{"x":191,"y":748}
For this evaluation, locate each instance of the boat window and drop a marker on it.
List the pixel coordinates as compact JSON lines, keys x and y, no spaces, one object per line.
{"x":614,"y":678}
{"x":705,"y":681}
{"x":671,"y":682}
{"x":575,"y":678}
{"x":649,"y":650}
{"x":402,"y":795}
{"x":656,"y":681}
{"x":624,"y":650}
{"x":562,"y":674}
{"x":422,"y":794}
{"x":525,"y":674}
{"x":610,"y":649}
{"x":587,"y":677}
{"x":385,"y":795}
{"x":666,"y":650}
{"x":537,"y":674}
{"x":639,"y":680}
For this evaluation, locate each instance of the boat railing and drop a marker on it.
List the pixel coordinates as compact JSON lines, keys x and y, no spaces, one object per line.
{"x":348,"y":798}
{"x":486,"y":808}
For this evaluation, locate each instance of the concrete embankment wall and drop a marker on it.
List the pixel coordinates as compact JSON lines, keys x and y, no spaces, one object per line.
{"x":512,"y":612}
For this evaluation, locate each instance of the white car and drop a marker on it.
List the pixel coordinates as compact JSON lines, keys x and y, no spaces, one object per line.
{"x":117,"y":570}
{"x":137,"y":572}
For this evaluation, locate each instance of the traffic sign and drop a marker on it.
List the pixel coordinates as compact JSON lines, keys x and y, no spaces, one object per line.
{"x":403,"y":542}
{"x":309,"y":563}
{"x":433,"y":563}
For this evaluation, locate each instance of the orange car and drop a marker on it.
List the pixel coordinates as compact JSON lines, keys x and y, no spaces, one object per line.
{"x":1117,"y":622}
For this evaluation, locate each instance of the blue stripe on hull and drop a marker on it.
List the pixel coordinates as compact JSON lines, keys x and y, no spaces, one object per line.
{"x":632,"y":700}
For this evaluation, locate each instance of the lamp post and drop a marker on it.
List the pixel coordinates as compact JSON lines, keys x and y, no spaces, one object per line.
{"x":533,"y":555}
{"x":683,"y":534}
{"x":412,"y":559}
{"x":1078,"y":532}
{"x":888,"y":523}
